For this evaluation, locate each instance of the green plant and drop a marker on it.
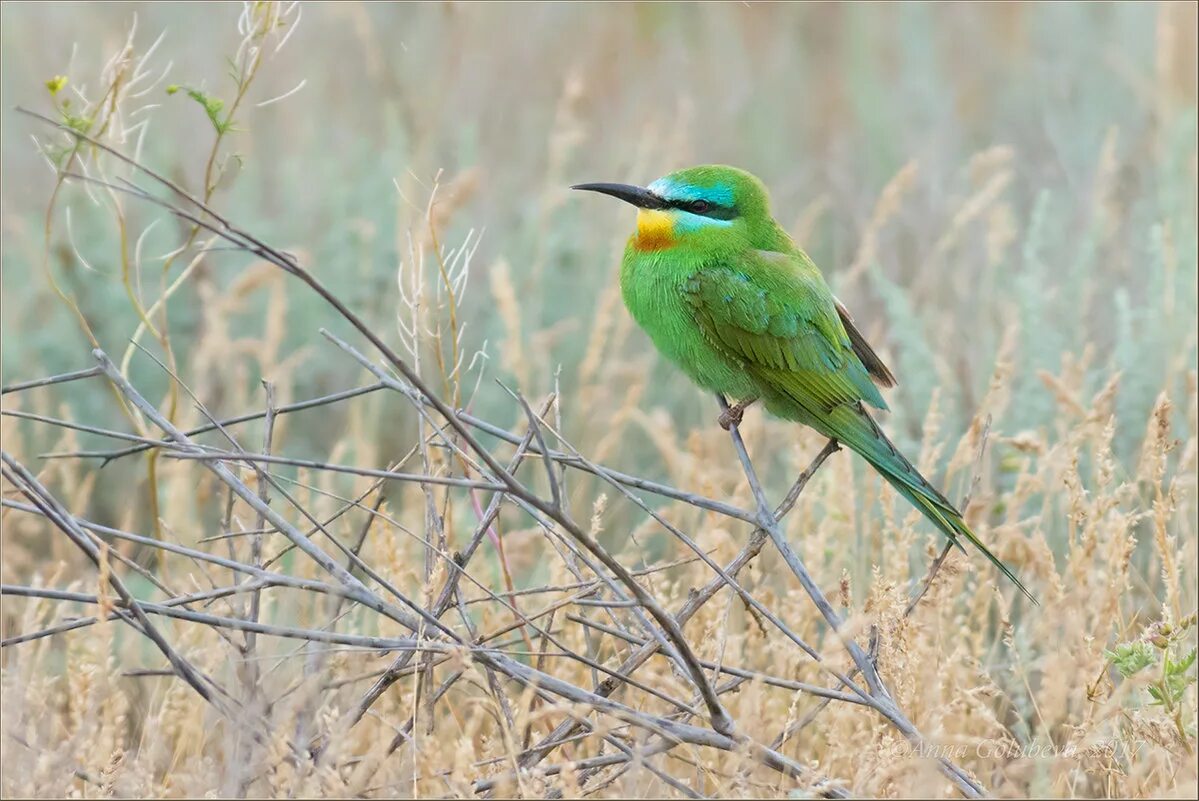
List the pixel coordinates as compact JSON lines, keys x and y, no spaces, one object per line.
{"x":1167,"y":648}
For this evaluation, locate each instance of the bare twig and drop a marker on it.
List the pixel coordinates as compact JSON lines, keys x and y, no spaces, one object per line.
{"x":312,"y":403}
{"x":694,"y":602}
{"x":29,"y":486}
{"x":54,"y":379}
{"x":880,"y":699}
{"x":483,"y":471}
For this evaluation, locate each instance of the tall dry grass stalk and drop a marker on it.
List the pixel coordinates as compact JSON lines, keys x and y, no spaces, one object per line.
{"x":553,"y":584}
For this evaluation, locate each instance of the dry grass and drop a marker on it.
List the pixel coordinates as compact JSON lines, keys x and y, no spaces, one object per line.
{"x":1069,"y":416}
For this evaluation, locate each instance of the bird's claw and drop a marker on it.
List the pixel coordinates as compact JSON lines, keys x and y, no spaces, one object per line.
{"x":731,"y":417}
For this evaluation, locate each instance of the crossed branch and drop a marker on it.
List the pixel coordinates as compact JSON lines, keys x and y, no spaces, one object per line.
{"x":602,"y":581}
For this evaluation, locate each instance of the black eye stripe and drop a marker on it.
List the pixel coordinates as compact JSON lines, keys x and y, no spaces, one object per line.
{"x":709,"y":209}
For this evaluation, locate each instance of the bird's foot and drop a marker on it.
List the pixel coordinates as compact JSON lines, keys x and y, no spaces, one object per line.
{"x":732,"y":416}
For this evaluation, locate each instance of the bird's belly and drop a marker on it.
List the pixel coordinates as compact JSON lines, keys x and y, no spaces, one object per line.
{"x":662,"y":312}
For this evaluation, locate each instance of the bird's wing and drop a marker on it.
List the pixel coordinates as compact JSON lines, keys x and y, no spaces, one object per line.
{"x":879,"y":371}
{"x":784,"y":326}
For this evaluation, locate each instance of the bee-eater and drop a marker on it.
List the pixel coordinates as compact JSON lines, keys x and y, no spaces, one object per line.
{"x":726,"y":295}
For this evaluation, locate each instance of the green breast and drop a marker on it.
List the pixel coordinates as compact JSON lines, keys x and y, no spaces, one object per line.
{"x":651,"y":284}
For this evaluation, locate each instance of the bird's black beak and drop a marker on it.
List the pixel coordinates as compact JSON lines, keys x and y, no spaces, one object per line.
{"x":640,"y":197}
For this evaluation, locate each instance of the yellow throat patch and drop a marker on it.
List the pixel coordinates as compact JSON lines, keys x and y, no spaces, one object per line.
{"x":655,"y":230}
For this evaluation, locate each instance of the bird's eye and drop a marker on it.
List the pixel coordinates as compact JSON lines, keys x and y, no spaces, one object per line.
{"x":699,"y":206}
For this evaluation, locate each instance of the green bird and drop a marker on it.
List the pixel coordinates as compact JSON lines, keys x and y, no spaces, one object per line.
{"x":726,"y":295}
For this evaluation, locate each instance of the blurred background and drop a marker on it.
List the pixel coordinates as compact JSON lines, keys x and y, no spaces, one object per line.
{"x":974,"y":180}
{"x":1004,"y":195}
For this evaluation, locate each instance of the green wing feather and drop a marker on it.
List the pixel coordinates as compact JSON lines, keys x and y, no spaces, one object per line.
{"x":774,"y":314}
{"x":783,"y":324}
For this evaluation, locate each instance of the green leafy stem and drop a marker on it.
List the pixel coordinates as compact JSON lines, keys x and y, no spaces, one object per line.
{"x":1163,"y":645}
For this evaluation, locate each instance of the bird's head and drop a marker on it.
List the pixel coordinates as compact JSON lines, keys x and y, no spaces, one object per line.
{"x":704,"y":206}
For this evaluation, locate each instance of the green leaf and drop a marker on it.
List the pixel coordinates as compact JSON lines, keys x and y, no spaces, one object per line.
{"x":212,"y":106}
{"x":76,"y":122}
{"x":1176,"y":686}
{"x":1179,"y":667}
{"x":1131,"y":657}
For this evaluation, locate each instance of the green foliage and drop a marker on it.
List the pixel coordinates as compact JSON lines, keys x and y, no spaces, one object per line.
{"x":75,"y":120}
{"x":1175,"y":679}
{"x":212,"y":107}
{"x":1164,"y":645}
{"x":1131,"y":657}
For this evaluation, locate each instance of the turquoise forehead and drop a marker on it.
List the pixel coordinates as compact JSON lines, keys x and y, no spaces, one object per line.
{"x":719,"y":193}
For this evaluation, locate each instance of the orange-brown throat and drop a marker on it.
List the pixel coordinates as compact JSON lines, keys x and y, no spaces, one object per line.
{"x":655,"y":230}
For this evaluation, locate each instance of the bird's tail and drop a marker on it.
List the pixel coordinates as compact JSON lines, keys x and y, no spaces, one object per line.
{"x":858,"y":431}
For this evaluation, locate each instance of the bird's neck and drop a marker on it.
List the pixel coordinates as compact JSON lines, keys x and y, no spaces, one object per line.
{"x":769,"y":235}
